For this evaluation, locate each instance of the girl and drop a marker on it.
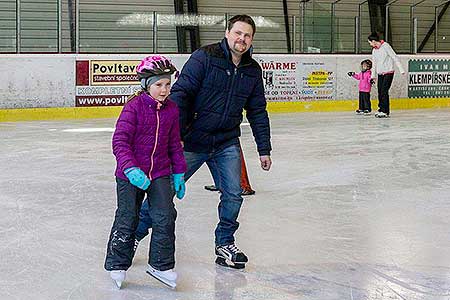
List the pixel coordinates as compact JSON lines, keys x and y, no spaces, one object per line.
{"x":365,"y":85}
{"x":147,"y":147}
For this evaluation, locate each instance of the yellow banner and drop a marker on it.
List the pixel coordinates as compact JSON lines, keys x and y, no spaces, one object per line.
{"x":113,"y":72}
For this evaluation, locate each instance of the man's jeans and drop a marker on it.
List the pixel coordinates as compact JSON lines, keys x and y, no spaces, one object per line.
{"x":225,"y":167}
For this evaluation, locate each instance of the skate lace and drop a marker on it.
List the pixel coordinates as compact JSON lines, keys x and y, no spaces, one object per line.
{"x":136,"y":244}
{"x":233,"y":248}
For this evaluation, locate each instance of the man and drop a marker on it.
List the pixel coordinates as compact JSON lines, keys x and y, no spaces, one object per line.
{"x":217,"y":82}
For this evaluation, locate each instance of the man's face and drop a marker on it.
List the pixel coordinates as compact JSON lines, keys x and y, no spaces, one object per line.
{"x":240,"y":37}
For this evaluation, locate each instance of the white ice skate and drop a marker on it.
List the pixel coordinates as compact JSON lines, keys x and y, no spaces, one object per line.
{"x":168,"y":277}
{"x":118,"y":276}
{"x":381,"y":115}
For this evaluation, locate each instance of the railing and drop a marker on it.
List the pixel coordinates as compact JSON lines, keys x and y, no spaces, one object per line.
{"x":336,"y":27}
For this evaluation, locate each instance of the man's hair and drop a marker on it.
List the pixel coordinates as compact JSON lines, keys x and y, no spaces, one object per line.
{"x":241,"y":18}
{"x":374,"y":37}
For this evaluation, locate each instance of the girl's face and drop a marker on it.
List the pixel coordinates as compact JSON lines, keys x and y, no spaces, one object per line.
{"x":160,"y":89}
{"x":364,"y":67}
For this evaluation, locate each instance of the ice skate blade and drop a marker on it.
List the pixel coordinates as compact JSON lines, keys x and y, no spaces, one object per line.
{"x":211,"y":188}
{"x":118,"y":277}
{"x":224,"y":263}
{"x":248,"y":193}
{"x":383,"y":116}
{"x":118,"y":284}
{"x":167,"y":283}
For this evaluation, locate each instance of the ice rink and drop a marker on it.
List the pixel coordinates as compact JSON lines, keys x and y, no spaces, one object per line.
{"x":354,"y":208}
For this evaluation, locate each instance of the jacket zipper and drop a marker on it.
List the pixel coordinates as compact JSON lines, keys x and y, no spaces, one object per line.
{"x":232,"y":89}
{"x":156,"y":144}
{"x":230,"y":93}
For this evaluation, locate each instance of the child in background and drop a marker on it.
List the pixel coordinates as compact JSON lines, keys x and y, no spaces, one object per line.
{"x":365,"y":85}
{"x":148,"y":151}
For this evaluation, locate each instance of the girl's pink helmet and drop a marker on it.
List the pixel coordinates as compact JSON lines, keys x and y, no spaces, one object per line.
{"x":155,"y":65}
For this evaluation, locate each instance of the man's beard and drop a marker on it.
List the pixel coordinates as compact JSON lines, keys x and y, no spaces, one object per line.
{"x":238,"y":46}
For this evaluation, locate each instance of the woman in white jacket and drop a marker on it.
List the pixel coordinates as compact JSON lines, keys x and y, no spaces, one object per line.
{"x":383,"y":57}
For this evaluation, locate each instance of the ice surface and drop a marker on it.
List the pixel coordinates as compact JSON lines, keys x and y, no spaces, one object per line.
{"x":354,"y":208}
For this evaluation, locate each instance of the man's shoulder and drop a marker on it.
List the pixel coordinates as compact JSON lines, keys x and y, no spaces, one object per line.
{"x":251,"y":67}
{"x":255,"y":64}
{"x":213,"y":50}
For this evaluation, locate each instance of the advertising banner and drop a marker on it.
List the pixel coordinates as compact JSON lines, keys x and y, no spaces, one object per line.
{"x":290,"y":79}
{"x":115,"y":72}
{"x":109,"y":82}
{"x":101,"y":82}
{"x":105,"y":82}
{"x":429,"y":78}
{"x":317,"y":79}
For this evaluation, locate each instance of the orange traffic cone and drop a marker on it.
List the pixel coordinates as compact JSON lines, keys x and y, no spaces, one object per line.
{"x":245,"y":182}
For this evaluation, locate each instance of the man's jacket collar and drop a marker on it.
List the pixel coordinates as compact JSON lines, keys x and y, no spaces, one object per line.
{"x":246,"y":57}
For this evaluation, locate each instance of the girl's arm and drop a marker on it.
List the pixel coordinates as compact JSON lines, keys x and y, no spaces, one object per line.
{"x":368,"y":77}
{"x":123,"y":137}
{"x":357,"y":75}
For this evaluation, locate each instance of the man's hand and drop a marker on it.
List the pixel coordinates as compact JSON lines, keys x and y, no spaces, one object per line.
{"x":266,"y":162}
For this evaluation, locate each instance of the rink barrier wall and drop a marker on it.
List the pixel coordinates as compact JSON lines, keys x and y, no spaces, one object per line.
{"x":44,"y":87}
{"x":351,"y":105}
{"x":66,"y":113}
{"x":58,"y":113}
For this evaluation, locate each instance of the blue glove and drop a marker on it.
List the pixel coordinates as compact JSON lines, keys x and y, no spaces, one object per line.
{"x":137,"y":178}
{"x":179,"y":185}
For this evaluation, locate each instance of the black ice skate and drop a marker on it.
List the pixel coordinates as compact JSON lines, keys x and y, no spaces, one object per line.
{"x":230,"y":256}
{"x":136,"y":244}
{"x":211,"y":188}
{"x":247,"y":192}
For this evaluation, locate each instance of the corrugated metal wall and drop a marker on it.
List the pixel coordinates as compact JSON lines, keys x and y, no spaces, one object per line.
{"x":7,"y":26}
{"x":122,"y":26}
